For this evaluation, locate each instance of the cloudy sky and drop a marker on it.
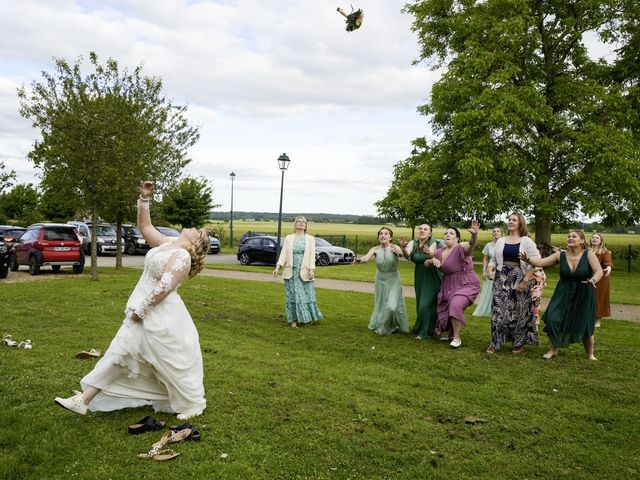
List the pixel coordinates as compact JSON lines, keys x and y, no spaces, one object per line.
{"x":260,"y":77}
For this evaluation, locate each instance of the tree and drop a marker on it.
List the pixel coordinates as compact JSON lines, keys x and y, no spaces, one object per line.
{"x":524,"y":119}
{"x":6,"y":178}
{"x":102,"y":133}
{"x":21,"y":204}
{"x":188,"y":203}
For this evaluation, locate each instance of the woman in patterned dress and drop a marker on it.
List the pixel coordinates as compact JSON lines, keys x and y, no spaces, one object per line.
{"x":298,"y":259}
{"x":512,"y":317}
{"x":460,"y":284}
{"x":571,"y":314}
{"x":486,"y":295}
{"x":603,"y":287}
{"x":155,"y":357}
{"x":427,"y":280}
{"x":390,"y":312}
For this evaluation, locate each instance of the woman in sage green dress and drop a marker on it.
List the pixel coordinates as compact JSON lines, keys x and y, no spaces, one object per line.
{"x":485,"y":301}
{"x":298,"y":257}
{"x":390,"y":312}
{"x":427,"y":280}
{"x":571,"y":314}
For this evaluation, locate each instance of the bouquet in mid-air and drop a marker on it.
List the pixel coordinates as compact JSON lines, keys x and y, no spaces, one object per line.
{"x":353,"y":19}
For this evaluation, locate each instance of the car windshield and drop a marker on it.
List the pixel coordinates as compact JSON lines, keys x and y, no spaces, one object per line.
{"x":169,"y":232}
{"x":106,"y":231}
{"x":321,"y":242}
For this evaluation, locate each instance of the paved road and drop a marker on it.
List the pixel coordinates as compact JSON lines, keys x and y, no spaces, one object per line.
{"x":138,"y":260}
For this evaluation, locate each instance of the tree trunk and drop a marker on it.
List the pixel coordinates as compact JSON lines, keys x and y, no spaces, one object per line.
{"x":118,"y":244}
{"x":543,"y":227}
{"x":94,"y":244}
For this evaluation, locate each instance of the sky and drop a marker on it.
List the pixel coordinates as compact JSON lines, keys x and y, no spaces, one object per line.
{"x":260,"y":78}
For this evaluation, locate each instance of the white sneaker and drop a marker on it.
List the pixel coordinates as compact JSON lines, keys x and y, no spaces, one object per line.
{"x":455,"y":343}
{"x":444,"y":339}
{"x":75,"y":403}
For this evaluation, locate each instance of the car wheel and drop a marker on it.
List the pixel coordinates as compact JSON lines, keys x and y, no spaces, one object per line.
{"x":34,"y":267}
{"x":55,"y":268}
{"x":78,"y":268}
{"x":4,"y":271}
{"x":13,"y":263}
{"x":131,"y":249}
{"x":245,"y":259}
{"x":323,"y":259}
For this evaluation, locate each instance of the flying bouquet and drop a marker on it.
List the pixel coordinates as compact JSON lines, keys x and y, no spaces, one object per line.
{"x":353,"y":19}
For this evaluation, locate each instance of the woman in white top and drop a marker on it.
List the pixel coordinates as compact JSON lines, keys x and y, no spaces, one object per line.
{"x":155,"y":357}
{"x":512,"y":318}
{"x":298,"y":257}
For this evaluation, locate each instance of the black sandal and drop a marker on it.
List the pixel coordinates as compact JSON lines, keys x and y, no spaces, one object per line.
{"x":147,"y":424}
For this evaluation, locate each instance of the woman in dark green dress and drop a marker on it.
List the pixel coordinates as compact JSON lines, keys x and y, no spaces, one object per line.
{"x":427,"y":280}
{"x":571,"y":314}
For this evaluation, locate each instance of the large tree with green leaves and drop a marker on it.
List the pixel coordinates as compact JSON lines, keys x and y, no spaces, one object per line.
{"x":102,"y":133}
{"x":188,"y":203}
{"x":21,"y":204}
{"x":523,"y":116}
{"x":6,"y":177}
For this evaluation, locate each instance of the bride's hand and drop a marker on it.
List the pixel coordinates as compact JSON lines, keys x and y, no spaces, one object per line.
{"x":146,"y":188}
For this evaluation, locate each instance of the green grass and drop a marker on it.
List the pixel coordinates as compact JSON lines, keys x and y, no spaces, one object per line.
{"x":331,"y":401}
{"x":624,"y":286}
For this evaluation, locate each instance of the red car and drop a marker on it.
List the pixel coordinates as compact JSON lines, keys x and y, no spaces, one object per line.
{"x":48,"y":244}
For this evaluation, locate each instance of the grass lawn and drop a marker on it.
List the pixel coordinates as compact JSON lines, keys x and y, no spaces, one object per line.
{"x":624,"y":286}
{"x":331,"y":401}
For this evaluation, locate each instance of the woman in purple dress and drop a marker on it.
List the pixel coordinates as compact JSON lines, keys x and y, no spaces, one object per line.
{"x":460,"y":284}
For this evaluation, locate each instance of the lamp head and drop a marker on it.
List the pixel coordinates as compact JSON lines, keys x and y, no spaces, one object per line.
{"x":283,"y":162}
{"x":232,"y":176}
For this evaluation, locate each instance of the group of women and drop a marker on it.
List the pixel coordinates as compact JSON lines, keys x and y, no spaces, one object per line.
{"x":155,"y":357}
{"x":446,"y":284}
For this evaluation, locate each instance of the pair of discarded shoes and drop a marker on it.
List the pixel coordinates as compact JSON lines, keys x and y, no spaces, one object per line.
{"x":10,"y":342}
{"x":159,"y":453}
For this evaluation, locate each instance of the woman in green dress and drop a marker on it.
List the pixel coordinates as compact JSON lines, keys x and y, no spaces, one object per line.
{"x":571,"y":314}
{"x":485,"y":301}
{"x":298,"y":259}
{"x":390,"y":312}
{"x":427,"y":280}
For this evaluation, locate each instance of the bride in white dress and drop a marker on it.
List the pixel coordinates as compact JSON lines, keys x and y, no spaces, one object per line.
{"x":155,"y":357}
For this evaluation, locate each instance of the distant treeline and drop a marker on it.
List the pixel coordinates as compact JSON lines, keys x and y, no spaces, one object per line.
{"x":289,"y":217}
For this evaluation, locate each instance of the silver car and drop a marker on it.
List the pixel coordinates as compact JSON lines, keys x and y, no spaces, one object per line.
{"x":327,"y":254}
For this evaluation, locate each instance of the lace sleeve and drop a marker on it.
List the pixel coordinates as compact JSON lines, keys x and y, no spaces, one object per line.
{"x":175,"y":270}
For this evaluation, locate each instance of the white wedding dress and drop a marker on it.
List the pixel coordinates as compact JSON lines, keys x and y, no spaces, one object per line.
{"x":156,"y":361}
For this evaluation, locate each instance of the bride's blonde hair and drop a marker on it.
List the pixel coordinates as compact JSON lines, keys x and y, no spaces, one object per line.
{"x":198,"y":251}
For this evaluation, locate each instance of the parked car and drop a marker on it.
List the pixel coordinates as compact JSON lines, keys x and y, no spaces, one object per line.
{"x":327,"y":254}
{"x":85,"y":234}
{"x":48,"y":244}
{"x":133,"y":240}
{"x":4,"y":259}
{"x":260,"y":249}
{"x":10,"y":234}
{"x":106,"y":243}
{"x":214,"y":243}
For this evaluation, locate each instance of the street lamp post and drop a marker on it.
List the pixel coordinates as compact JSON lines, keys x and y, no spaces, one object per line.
{"x":232,"y":176}
{"x":283,"y":164}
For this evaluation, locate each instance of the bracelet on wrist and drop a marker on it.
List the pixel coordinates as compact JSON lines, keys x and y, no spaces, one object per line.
{"x":142,"y":199}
